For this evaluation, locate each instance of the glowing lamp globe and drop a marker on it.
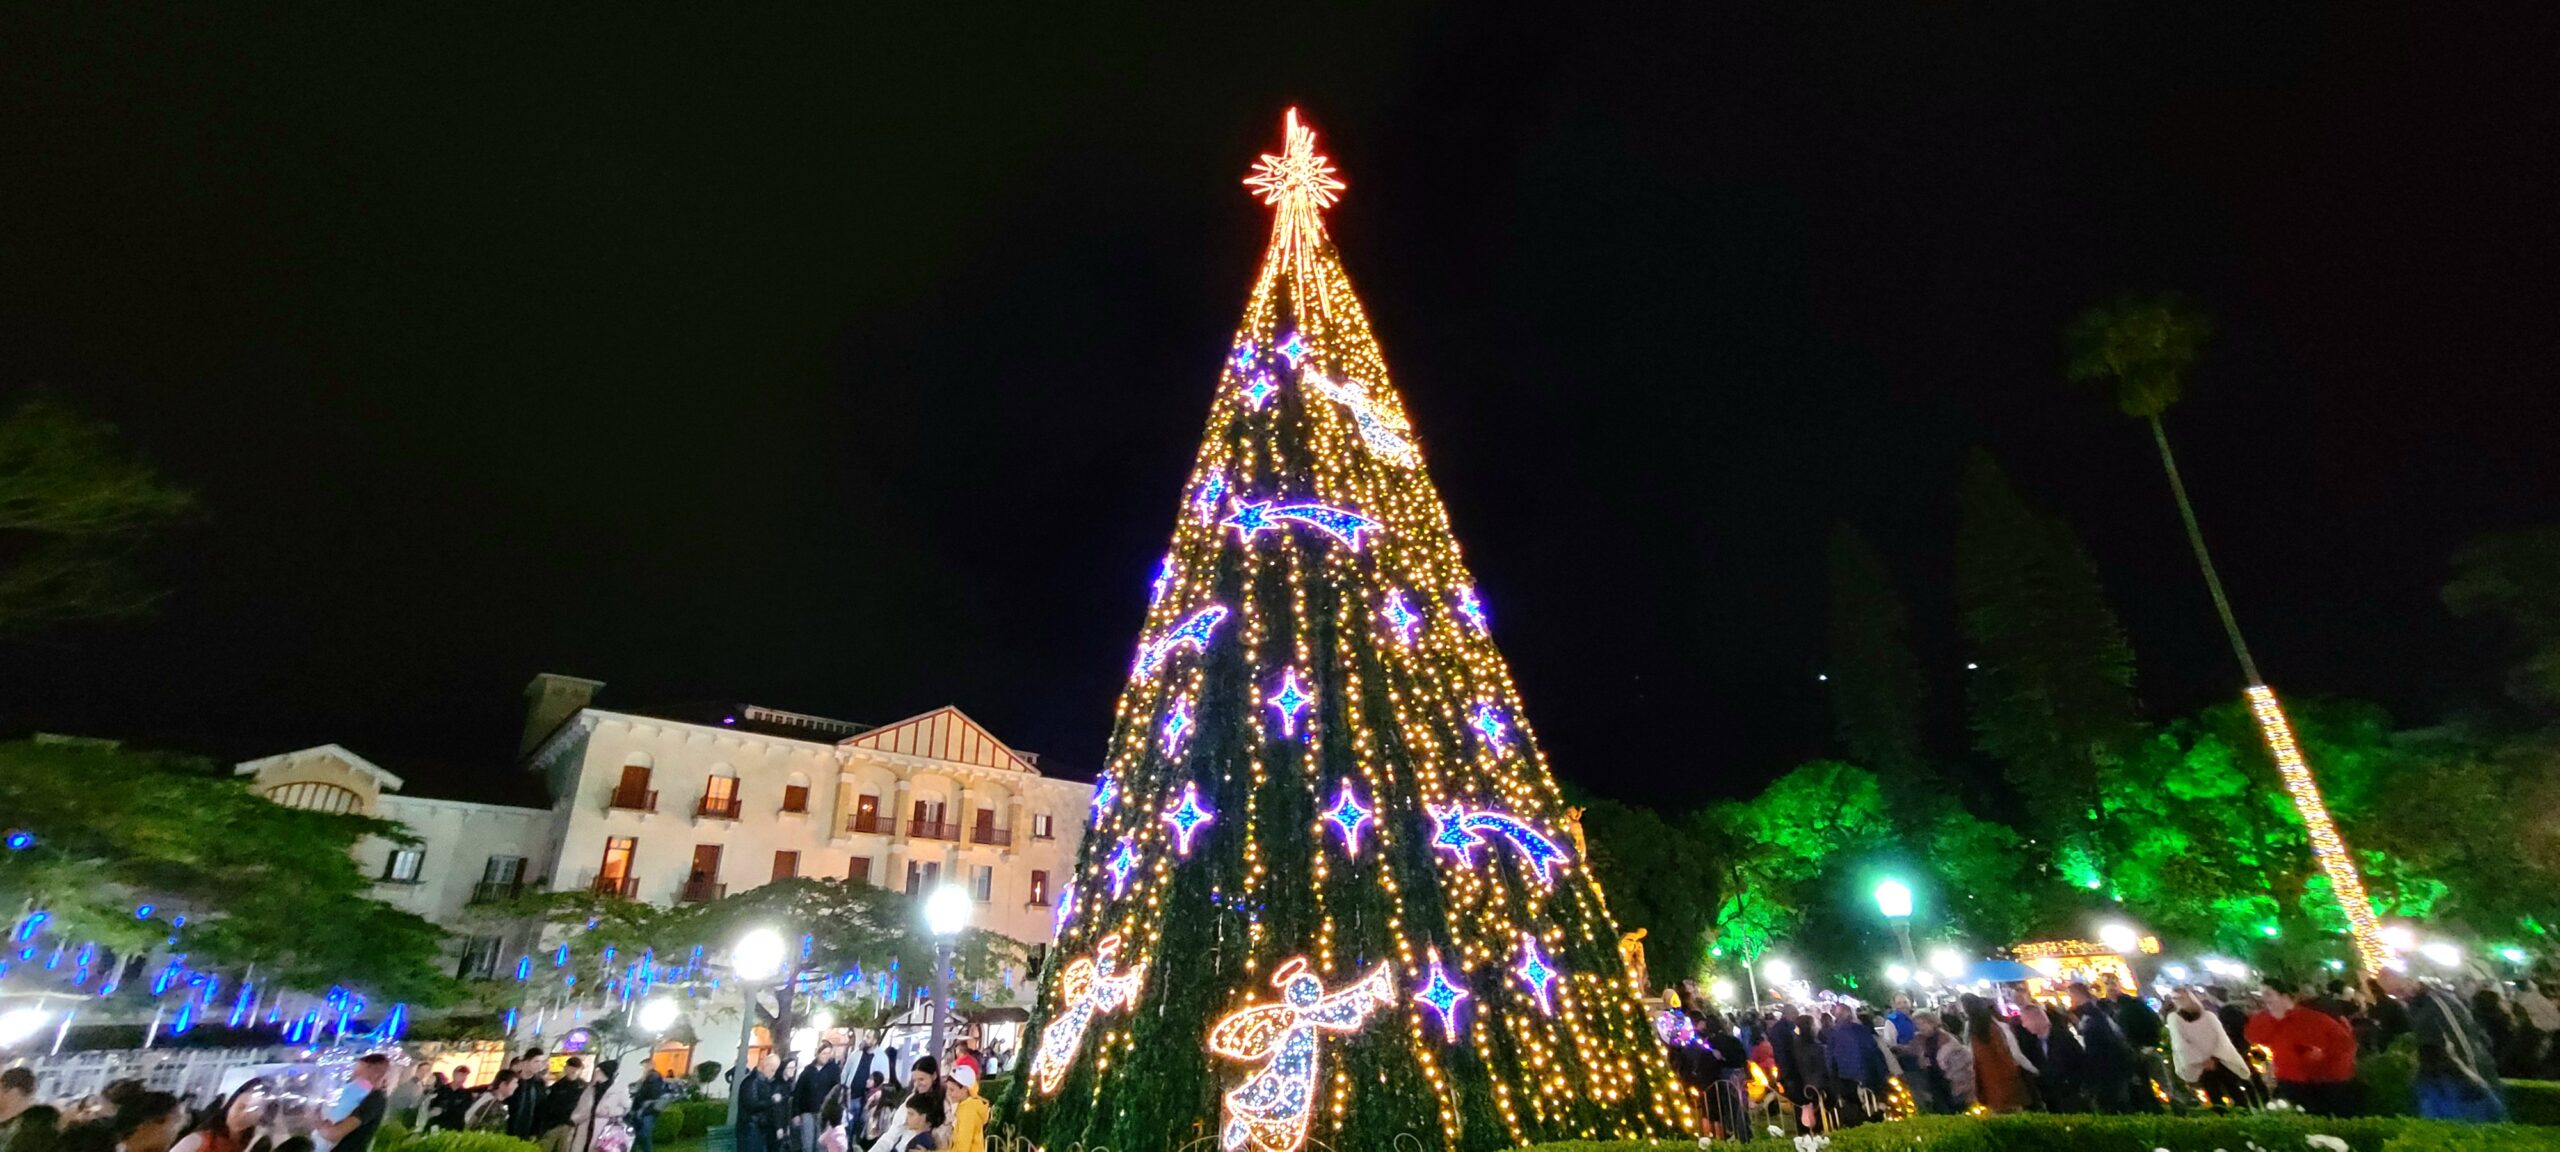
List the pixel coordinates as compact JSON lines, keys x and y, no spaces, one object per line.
{"x":17,"y":1024}
{"x":1893,"y":898}
{"x":1947,"y":962}
{"x":2512,"y":954}
{"x":1722,"y":990}
{"x":2119,"y":938}
{"x":823,"y":1020}
{"x":659,"y":1014}
{"x":2399,"y":937}
{"x":2441,"y":953}
{"x":1897,"y":975}
{"x":1778,"y":971}
{"x":757,"y":956}
{"x":946,"y":912}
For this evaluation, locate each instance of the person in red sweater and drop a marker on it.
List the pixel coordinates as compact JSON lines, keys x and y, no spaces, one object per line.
{"x":2315,"y":1053}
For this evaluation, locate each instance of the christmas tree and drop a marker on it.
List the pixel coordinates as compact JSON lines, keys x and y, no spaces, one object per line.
{"x":1329,"y":892}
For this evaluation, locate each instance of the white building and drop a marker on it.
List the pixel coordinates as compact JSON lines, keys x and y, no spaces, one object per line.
{"x":667,"y":809}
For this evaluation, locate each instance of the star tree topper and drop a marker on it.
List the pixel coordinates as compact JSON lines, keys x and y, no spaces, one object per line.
{"x":1300,"y":184}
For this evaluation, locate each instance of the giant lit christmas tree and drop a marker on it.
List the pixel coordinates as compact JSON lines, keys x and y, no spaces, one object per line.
{"x":1328,"y":895}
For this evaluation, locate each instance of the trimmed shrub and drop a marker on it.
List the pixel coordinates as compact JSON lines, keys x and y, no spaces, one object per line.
{"x":2534,"y":1102}
{"x":468,"y":1142}
{"x":690,"y":1118}
{"x":2390,"y":1079}
{"x":2253,"y":1132}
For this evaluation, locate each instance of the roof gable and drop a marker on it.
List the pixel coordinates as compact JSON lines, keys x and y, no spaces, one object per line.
{"x":943,"y":734}
{"x":359,"y":765}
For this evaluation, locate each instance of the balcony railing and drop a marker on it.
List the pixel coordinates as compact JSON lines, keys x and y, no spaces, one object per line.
{"x":1000,"y":837}
{"x":496,"y":891}
{"x":633,"y":800}
{"x":718,"y":808}
{"x":867,"y":822}
{"x":933,"y":829}
{"x":627,"y":887}
{"x":701,"y":891}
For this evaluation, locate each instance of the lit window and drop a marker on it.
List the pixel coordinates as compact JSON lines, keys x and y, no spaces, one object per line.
{"x":1040,"y":888}
{"x":1042,"y":828}
{"x":982,"y":883}
{"x":403,"y":865}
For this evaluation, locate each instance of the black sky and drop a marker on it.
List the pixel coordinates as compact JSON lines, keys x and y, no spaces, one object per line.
{"x":850,"y":363}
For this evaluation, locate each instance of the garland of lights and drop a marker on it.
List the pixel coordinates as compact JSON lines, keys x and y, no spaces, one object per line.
{"x":2327,"y":846}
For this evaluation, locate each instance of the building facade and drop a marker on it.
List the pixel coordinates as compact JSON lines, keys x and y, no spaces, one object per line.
{"x":668,"y":810}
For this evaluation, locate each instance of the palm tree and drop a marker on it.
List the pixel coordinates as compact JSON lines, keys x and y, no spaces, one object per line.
{"x":2144,"y":347}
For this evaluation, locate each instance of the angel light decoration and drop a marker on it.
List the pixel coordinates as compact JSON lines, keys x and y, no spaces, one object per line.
{"x":1268,"y":1113}
{"x":1088,"y":987}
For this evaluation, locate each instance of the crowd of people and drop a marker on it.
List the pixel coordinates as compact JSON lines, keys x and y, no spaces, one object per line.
{"x":839,"y":1102}
{"x":256,"y":1116}
{"x":2103,"y":1047}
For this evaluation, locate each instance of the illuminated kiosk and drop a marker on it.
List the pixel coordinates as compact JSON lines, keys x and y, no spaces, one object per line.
{"x":1330,"y":894}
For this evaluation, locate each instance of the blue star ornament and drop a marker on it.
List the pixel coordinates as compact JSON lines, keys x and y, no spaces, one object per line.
{"x":1535,"y":972}
{"x":1257,"y":391}
{"x":1290,"y":701}
{"x":1496,"y":727}
{"x":1187,"y":817}
{"x":1295,"y":348}
{"x":1471,"y":608}
{"x":1348,"y":815}
{"x":1442,"y":995}
{"x":1177,"y":725}
{"x":1401,"y":618}
{"x":1250,"y":517}
{"x":1122,"y":863}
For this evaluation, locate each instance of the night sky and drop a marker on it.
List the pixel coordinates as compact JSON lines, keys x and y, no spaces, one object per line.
{"x":853,"y":367}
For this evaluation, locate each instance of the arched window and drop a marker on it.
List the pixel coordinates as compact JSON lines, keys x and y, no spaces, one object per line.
{"x":795,"y":793}
{"x":720,"y":793}
{"x":317,"y":797}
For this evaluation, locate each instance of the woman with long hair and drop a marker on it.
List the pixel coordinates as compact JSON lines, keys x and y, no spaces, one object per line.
{"x":2000,"y":1070}
{"x":236,"y":1125}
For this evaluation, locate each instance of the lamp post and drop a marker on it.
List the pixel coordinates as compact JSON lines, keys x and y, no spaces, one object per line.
{"x":946,"y":912}
{"x":1893,"y":898}
{"x":754,"y":959}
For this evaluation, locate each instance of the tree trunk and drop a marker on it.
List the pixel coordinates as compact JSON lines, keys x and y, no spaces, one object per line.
{"x":2204,"y":559}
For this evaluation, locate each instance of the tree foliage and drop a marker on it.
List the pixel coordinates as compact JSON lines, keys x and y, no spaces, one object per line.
{"x":2141,"y":346}
{"x":1877,"y":690}
{"x":1660,"y":876}
{"x":2513,"y":578}
{"x":2052,"y":691}
{"x":74,"y":508}
{"x":259,"y":883}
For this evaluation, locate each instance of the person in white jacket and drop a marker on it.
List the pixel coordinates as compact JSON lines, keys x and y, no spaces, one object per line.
{"x":2203,"y":1051}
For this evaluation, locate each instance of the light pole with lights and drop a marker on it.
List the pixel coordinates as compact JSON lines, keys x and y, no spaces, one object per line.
{"x":946,"y":912}
{"x":1893,"y":898}
{"x":754,"y":959}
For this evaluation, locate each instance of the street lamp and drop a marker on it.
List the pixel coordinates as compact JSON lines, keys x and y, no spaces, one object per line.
{"x":2442,"y":953}
{"x":2119,"y":938}
{"x":659,"y":1014}
{"x":1893,"y":898}
{"x":1947,"y":962}
{"x":754,"y":959}
{"x":17,"y":1024}
{"x":946,"y":912}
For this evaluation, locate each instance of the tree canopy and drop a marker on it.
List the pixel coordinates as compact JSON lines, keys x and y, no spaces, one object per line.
{"x":74,"y":508}
{"x":257,"y":883}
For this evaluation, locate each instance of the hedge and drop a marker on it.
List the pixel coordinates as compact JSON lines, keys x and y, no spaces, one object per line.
{"x":689,"y":1118}
{"x":2534,"y":1102}
{"x":2259,"y":1132}
{"x":464,"y":1142}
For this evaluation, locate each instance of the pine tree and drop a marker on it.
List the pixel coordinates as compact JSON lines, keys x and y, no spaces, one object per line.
{"x":1328,"y":890}
{"x":2052,"y":690}
{"x":1876,"y":685}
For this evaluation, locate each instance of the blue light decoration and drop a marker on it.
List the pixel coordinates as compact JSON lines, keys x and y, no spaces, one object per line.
{"x":28,"y":924}
{"x":1348,"y":815}
{"x":511,"y":1021}
{"x":143,"y":912}
{"x":1381,"y":428}
{"x":1187,"y":817}
{"x":524,"y":967}
{"x":1066,"y":913}
{"x":1401,"y":618}
{"x":1164,"y":580}
{"x":1206,"y":498}
{"x":1177,"y":725}
{"x":1535,"y":972}
{"x":1258,"y":389}
{"x":1293,"y":347}
{"x":1493,"y":723}
{"x":1471,"y":608}
{"x":1252,"y":518}
{"x":560,"y":958}
{"x":1193,"y":633}
{"x":1244,"y":357}
{"x":1443,"y":995}
{"x":1105,"y":790}
{"x":1675,"y":1028}
{"x":186,"y":1017}
{"x":1122,"y":863}
{"x":1457,"y":829}
{"x":20,"y":840}
{"x":1290,"y":700}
